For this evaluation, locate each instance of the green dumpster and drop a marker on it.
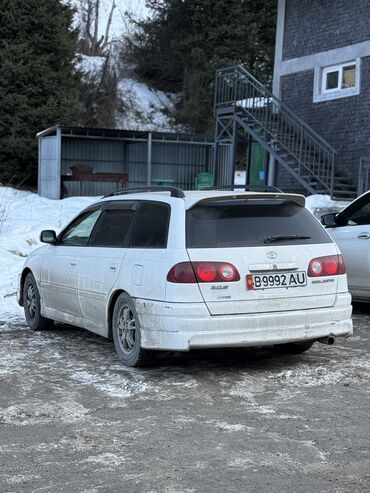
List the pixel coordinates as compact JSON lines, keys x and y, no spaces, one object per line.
{"x":163,"y":182}
{"x":203,"y":180}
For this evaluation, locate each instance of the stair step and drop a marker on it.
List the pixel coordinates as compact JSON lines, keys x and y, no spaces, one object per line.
{"x":343,"y":180}
{"x":342,"y":193}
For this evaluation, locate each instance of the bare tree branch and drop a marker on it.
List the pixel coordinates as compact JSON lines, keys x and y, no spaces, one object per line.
{"x":96,"y":26}
{"x":88,"y":9}
{"x":108,"y":26}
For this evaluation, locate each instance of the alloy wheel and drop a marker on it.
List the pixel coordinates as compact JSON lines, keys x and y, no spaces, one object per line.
{"x":31,"y":301}
{"x":126,"y":329}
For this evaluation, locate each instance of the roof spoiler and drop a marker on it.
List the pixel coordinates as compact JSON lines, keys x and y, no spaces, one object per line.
{"x":296,"y":198}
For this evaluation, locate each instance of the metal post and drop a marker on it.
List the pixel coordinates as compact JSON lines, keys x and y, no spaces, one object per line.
{"x":58,"y":163}
{"x":232,"y":157}
{"x":125,"y":162}
{"x":235,"y":88}
{"x":271,"y":171}
{"x":332,"y":176}
{"x":360,"y":178}
{"x":215,"y":154}
{"x":39,"y":191}
{"x":300,"y":151}
{"x":149,"y":159}
{"x":248,"y":161}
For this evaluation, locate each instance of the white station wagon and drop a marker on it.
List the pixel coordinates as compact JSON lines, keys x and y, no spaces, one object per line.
{"x":174,"y":270}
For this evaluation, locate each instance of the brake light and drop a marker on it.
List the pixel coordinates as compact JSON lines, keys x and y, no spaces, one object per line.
{"x":182,"y":273}
{"x":192,"y":272}
{"x":206,"y":272}
{"x":330,"y":265}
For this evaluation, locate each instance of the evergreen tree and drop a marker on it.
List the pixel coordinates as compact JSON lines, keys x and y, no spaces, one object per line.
{"x":38,"y":83}
{"x":180,"y":48}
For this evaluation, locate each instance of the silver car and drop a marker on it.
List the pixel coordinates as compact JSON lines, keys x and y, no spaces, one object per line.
{"x":350,"y":229}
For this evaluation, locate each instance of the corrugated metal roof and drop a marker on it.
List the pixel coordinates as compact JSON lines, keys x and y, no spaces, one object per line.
{"x":114,"y":133}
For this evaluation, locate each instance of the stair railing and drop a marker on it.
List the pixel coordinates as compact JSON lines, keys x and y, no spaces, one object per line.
{"x":279,"y":125}
{"x":363,"y":176}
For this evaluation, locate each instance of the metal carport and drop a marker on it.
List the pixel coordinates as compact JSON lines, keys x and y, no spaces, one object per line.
{"x":94,"y":161}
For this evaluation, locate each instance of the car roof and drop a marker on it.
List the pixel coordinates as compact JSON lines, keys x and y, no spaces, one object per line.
{"x":191,"y":197}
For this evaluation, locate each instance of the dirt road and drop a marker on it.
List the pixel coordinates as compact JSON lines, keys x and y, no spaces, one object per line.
{"x":72,"y":419}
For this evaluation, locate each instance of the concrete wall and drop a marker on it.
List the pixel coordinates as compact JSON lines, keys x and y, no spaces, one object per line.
{"x":313,"y":26}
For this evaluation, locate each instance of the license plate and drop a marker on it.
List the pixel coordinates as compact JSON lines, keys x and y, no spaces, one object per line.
{"x":270,"y":280}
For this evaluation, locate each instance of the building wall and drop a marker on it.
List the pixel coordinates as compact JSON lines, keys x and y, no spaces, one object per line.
{"x":344,"y":123}
{"x":313,"y":26}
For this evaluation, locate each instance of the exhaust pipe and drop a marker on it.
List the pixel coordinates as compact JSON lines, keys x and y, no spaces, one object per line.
{"x":329,"y":340}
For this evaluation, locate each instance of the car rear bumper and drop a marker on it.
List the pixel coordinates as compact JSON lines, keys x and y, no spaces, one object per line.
{"x":183,"y":326}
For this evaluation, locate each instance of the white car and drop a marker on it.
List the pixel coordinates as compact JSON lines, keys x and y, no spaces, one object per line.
{"x":350,"y":229}
{"x":174,"y":270}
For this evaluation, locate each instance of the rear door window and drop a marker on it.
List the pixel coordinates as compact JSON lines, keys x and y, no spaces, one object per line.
{"x":242,"y":223}
{"x":151,"y":226}
{"x":114,"y":225}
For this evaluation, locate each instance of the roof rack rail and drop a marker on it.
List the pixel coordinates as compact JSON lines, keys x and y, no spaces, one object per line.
{"x":246,"y":188}
{"x":175,"y":192}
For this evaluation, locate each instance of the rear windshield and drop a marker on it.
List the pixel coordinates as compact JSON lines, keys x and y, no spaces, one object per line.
{"x":241,"y":223}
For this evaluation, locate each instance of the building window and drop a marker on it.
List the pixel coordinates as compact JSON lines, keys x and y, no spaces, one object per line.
{"x":337,"y":81}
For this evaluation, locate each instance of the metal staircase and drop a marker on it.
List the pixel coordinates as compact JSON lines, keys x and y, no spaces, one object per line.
{"x":241,"y":101}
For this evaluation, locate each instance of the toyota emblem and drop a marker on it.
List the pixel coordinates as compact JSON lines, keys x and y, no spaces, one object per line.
{"x":271,"y":254}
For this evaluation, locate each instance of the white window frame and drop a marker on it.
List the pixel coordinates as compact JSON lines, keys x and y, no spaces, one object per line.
{"x":322,"y":94}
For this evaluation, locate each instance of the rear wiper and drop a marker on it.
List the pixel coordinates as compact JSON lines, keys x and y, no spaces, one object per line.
{"x":272,"y":239}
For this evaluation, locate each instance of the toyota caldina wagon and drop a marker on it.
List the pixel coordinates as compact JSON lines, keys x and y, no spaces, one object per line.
{"x":174,"y":270}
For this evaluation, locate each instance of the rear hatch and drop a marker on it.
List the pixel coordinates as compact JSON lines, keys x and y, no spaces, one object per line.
{"x":271,"y":243}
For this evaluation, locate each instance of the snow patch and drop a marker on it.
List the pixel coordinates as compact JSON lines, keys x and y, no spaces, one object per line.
{"x":90,"y":64}
{"x":120,"y":389}
{"x":107,"y":459}
{"x":35,"y":412}
{"x":23,"y":215}
{"x":315,"y":203}
{"x":20,"y":478}
{"x":147,"y":108}
{"x":230,"y":427}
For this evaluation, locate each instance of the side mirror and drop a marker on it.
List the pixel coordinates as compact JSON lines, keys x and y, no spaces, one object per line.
{"x":328,"y":220}
{"x":48,"y":236}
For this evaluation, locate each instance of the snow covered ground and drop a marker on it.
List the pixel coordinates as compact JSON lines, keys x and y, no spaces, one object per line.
{"x":24,"y":214}
{"x":145,"y":109}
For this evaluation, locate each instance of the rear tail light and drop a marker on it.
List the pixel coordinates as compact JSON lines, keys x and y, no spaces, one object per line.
{"x":206,"y":272}
{"x":331,"y":265}
{"x":192,"y":272}
{"x":182,"y":273}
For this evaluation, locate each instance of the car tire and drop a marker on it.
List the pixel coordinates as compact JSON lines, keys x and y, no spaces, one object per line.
{"x":127,"y":334}
{"x":32,"y":305}
{"x":294,"y":347}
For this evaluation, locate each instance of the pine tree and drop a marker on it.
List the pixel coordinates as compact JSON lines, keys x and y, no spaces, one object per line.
{"x":38,"y":83}
{"x":180,"y":48}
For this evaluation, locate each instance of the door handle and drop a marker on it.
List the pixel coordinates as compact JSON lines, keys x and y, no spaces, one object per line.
{"x":73,"y":264}
{"x":113,"y":267}
{"x":363,"y":236}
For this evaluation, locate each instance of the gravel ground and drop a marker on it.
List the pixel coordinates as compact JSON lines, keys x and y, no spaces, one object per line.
{"x":72,"y":419}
